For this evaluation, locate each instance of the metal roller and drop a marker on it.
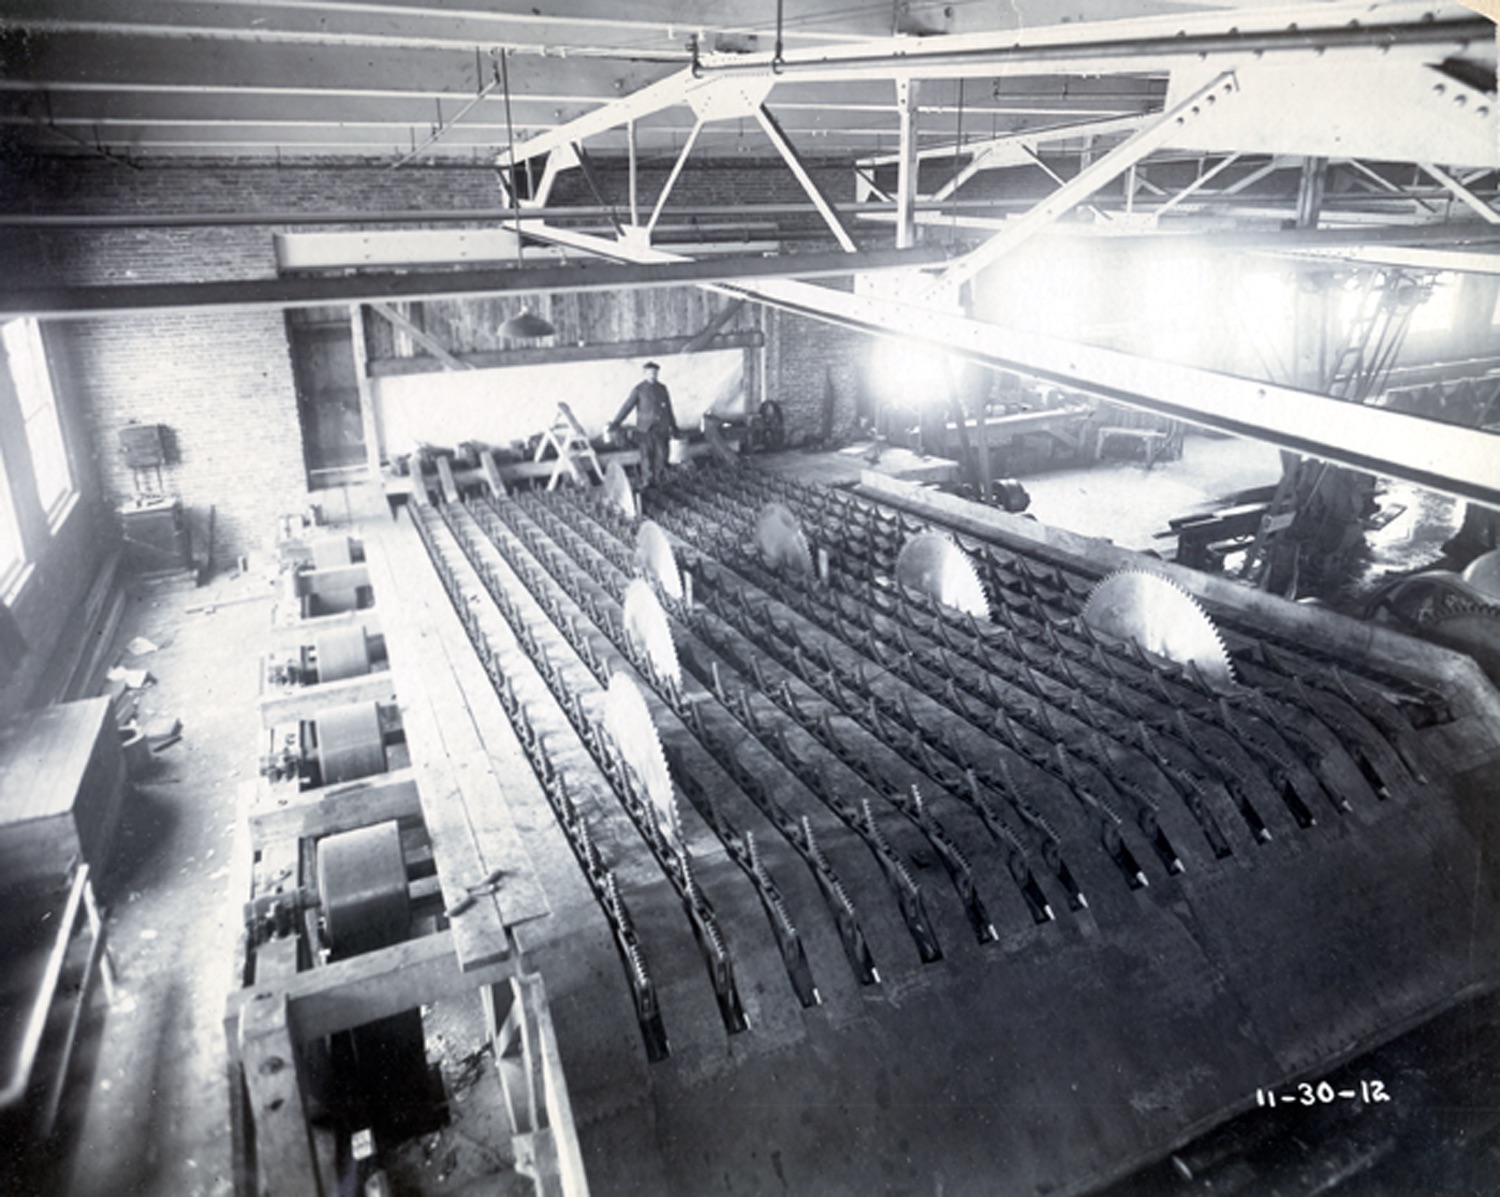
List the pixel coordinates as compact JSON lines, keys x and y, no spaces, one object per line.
{"x":341,"y":653}
{"x":362,"y":885}
{"x":350,"y":742}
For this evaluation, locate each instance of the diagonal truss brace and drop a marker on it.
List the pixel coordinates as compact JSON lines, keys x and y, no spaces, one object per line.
{"x":1462,"y":192}
{"x":793,"y":159}
{"x":1089,"y":180}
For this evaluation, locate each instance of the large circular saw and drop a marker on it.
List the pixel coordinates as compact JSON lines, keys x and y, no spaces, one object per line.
{"x":648,"y":631}
{"x":934,"y":565}
{"x":1162,"y":618}
{"x":628,"y":721}
{"x":618,"y":492}
{"x":653,"y":553}
{"x":780,"y":539}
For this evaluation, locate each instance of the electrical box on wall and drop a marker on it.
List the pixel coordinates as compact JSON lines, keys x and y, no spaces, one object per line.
{"x":143,"y":445}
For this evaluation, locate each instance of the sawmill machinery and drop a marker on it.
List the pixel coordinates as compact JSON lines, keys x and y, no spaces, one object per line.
{"x":331,"y":654}
{"x":324,"y":575}
{"x":337,"y":744}
{"x":920,"y":841}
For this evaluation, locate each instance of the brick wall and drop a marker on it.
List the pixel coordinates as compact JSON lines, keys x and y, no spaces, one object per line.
{"x":221,"y":381}
{"x":808,"y":363}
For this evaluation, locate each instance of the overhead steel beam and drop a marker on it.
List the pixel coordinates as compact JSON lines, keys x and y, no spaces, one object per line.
{"x":907,"y":162}
{"x":1014,"y":141}
{"x":789,"y":155}
{"x":1087,"y":181}
{"x":665,"y":270}
{"x":1098,"y":48}
{"x":1113,"y":46}
{"x":1462,"y":192}
{"x":1409,"y":257}
{"x":1443,"y":457}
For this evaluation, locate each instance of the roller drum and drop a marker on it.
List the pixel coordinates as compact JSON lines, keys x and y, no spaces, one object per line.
{"x":350,"y":742}
{"x":341,"y":653}
{"x":362,"y":885}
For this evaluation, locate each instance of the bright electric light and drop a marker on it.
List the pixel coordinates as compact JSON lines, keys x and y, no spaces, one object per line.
{"x":908,"y":375}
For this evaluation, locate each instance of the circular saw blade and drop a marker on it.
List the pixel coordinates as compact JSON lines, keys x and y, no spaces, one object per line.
{"x":1483,"y":573}
{"x":780,"y":539}
{"x":933,"y":564}
{"x":653,"y":553}
{"x":628,"y":721}
{"x":648,"y":631}
{"x":1162,"y":618}
{"x":618,"y":492}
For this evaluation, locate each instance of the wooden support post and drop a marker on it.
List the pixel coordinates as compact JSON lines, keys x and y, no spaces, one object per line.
{"x":285,"y":1162}
{"x":492,"y":474}
{"x":367,"y":417}
{"x":445,"y":479}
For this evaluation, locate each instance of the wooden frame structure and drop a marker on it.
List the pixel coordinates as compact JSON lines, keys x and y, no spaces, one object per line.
{"x":451,"y":788}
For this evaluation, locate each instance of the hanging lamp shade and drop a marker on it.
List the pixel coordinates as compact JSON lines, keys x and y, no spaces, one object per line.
{"x":526,"y":326}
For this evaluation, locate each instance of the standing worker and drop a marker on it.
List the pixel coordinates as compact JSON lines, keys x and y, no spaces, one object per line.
{"x":652,"y":404}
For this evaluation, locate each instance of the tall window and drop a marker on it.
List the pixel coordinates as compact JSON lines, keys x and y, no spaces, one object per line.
{"x":12,"y":551}
{"x":49,"y":455}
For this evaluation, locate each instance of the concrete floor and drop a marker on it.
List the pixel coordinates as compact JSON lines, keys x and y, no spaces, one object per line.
{"x":147,"y":1110}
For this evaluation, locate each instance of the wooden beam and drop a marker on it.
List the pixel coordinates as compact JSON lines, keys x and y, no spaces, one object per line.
{"x":655,"y":347}
{"x":369,"y":421}
{"x":280,"y":293}
{"x":706,"y":335}
{"x":349,"y":993}
{"x":344,"y":807}
{"x":285,"y":1162}
{"x":303,"y":701}
{"x":420,"y":336}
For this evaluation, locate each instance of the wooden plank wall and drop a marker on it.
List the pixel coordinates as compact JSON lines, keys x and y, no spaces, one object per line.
{"x":589,"y":318}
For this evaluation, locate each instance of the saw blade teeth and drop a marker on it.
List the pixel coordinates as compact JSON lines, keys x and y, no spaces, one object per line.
{"x":934,"y":565}
{"x":1157,"y":615}
{"x":628,"y":722}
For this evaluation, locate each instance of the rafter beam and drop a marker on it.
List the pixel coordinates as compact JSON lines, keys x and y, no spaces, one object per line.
{"x":799,"y":169}
{"x":666,"y":188}
{"x":1462,"y":192}
{"x":1087,"y":181}
{"x":1198,"y":184}
{"x":423,"y":338}
{"x":1443,"y":457}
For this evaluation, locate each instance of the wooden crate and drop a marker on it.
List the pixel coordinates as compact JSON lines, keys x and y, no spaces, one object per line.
{"x":62,"y":780}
